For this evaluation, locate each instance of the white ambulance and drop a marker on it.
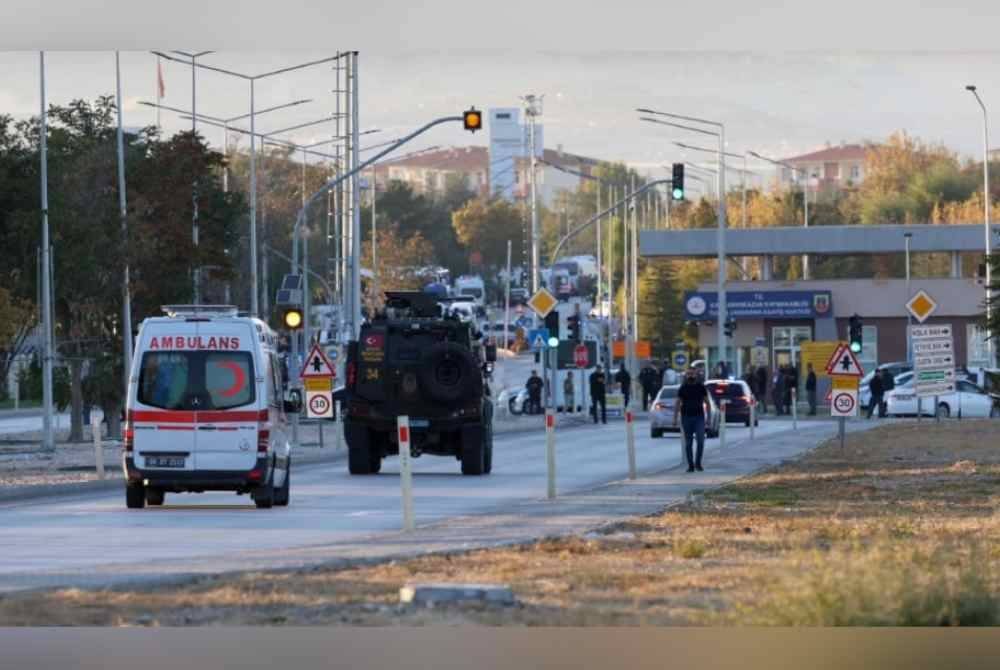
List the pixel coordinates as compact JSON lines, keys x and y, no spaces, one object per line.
{"x":205,"y":408}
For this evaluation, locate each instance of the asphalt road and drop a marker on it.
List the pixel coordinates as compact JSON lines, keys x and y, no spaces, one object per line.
{"x":92,"y":539}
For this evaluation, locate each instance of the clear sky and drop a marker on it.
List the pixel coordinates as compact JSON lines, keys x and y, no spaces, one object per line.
{"x":776,"y":103}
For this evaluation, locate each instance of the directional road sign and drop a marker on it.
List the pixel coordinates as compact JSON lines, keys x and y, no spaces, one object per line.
{"x":538,"y":338}
{"x":933,"y":359}
{"x":844,"y":362}
{"x":680,"y":359}
{"x":542,"y":302}
{"x":921,"y":305}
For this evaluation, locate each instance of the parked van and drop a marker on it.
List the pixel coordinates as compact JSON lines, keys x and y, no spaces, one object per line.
{"x":205,"y":409}
{"x":471,"y":287}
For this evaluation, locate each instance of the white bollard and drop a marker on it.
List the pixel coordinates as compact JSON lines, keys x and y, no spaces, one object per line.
{"x":550,"y":451}
{"x":95,"y":431}
{"x":753,"y":417}
{"x":630,"y":441}
{"x":405,"y":471}
{"x":795,"y":410}
{"x":722,"y":423}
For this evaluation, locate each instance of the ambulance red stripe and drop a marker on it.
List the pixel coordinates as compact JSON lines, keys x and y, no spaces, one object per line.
{"x":221,"y":416}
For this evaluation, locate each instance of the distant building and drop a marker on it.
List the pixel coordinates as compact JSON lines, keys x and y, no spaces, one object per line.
{"x":428,"y":173}
{"x":832,"y":168}
{"x":994,"y":155}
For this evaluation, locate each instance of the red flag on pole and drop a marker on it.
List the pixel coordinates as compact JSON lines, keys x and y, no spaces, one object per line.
{"x":161,"y":90}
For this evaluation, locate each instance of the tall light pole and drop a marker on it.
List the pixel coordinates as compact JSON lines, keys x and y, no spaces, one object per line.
{"x":986,"y":219}
{"x":252,"y":79}
{"x":805,"y":199}
{"x":533,"y":109}
{"x":48,"y":439}
{"x":743,"y":173}
{"x":122,"y":209}
{"x":721,"y":234}
{"x":909,"y":317}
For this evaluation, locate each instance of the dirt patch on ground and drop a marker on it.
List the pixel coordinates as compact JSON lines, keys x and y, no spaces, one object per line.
{"x":899,"y":528}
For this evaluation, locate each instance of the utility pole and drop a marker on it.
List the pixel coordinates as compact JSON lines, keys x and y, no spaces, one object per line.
{"x":122,"y":208}
{"x":533,"y":109}
{"x":48,"y":439}
{"x":355,"y":209}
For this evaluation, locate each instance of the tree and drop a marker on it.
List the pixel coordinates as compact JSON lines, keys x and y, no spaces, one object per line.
{"x":398,"y":256}
{"x":17,"y":320}
{"x":486,"y":226}
{"x":661,"y":315}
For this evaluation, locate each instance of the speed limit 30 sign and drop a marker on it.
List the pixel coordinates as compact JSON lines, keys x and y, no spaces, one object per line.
{"x":844,"y":402}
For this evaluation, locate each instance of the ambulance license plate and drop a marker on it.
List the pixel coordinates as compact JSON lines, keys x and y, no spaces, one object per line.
{"x":164,"y":461}
{"x":419,"y":423}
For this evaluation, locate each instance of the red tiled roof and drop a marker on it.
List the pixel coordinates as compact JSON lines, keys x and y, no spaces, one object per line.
{"x":843,"y":152}
{"x":454,"y":159}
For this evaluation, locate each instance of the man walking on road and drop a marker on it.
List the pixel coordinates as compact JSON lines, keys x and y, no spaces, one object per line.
{"x":649,"y":379}
{"x":597,"y":394}
{"x":875,"y":387}
{"x":811,"y":389}
{"x":534,"y":387}
{"x":888,"y":384}
{"x":761,"y":389}
{"x":624,"y":380}
{"x":692,"y":403}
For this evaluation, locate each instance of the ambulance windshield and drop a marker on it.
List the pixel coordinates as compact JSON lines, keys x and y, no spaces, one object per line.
{"x":196,"y":380}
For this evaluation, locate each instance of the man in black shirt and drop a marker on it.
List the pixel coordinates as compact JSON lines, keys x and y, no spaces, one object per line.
{"x":692,"y":404}
{"x":649,"y":379}
{"x":534,"y":387}
{"x":597,"y":395}
{"x":811,"y":389}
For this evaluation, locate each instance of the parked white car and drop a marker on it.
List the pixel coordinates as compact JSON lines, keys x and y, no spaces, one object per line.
{"x":897,"y":369}
{"x":968,"y":401}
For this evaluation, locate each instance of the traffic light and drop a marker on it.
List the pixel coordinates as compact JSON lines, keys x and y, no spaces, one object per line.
{"x":677,"y":182}
{"x":472,"y":119}
{"x":855,"y":333}
{"x":291,"y":318}
{"x":552,"y":323}
{"x":573,"y":325}
{"x":730,"y":327}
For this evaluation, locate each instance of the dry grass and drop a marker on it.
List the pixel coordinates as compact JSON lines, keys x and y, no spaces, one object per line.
{"x":899,"y":528}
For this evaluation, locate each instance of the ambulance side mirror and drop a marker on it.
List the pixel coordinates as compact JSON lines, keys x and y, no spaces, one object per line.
{"x":293,"y":404}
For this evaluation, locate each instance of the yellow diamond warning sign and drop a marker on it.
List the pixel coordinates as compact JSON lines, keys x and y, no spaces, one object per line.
{"x":921,"y":306}
{"x":542,"y":302}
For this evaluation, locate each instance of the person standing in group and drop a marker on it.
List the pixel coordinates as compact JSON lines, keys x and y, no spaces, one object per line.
{"x":760,"y":390}
{"x":670,"y":377}
{"x":811,"y":389}
{"x":790,"y":384}
{"x":692,"y":405}
{"x":875,"y":387}
{"x":568,"y":402}
{"x":597,"y":394}
{"x":624,"y":380}
{"x":888,"y":384}
{"x":649,"y":380}
{"x":534,"y":387}
{"x":778,"y":391}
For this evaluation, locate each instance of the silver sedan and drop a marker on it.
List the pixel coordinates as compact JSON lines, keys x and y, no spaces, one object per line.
{"x":661,"y":414}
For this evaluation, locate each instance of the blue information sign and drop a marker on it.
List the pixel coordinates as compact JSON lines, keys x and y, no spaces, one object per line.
{"x":680,"y":360}
{"x":704,"y":305}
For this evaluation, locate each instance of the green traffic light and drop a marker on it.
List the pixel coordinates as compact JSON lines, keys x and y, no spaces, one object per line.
{"x":856,"y":347}
{"x":553,"y":342}
{"x":678,"y":194}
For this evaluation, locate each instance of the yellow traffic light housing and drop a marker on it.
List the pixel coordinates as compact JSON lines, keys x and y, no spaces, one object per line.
{"x":472,"y":119}
{"x":291,"y":318}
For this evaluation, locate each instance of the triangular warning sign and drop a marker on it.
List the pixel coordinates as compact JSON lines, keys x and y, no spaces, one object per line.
{"x":317,"y":364}
{"x":844,"y":363}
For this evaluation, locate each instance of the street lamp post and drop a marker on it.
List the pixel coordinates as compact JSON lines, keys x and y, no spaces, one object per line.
{"x":743,"y":173}
{"x":122,"y":209}
{"x":986,"y":220}
{"x":721,"y":235}
{"x":252,"y":79}
{"x":48,"y":439}
{"x":533,"y":109}
{"x":909,"y":317}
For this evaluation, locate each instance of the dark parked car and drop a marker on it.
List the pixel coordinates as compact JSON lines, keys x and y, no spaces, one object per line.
{"x":738,"y":399}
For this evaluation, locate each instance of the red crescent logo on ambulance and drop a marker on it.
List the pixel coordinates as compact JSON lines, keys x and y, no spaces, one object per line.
{"x":239,"y":378}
